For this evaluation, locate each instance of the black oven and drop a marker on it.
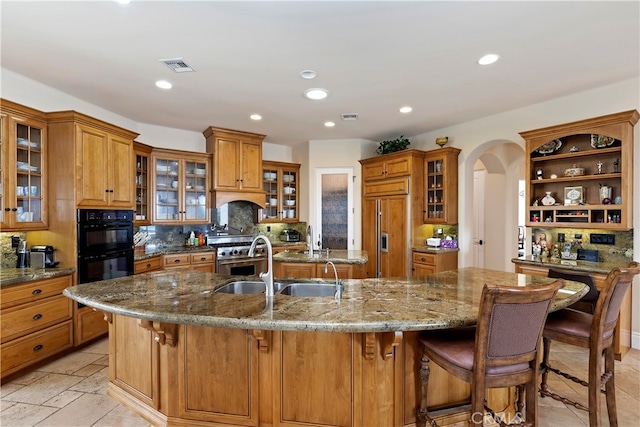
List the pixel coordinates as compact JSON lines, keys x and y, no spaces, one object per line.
{"x":105,"y":244}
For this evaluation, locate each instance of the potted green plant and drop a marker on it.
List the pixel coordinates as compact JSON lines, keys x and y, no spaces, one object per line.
{"x":393,"y":145}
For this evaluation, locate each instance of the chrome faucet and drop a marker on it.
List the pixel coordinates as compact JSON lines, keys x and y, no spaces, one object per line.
{"x":310,"y":239}
{"x":267,"y":277}
{"x":335,"y":272}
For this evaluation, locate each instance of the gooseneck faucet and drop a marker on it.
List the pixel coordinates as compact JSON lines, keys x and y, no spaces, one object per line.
{"x":267,"y":277}
{"x":310,"y":239}
{"x":338,"y":294}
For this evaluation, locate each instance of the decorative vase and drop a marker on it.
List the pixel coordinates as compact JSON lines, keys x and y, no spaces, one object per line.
{"x":548,"y":200}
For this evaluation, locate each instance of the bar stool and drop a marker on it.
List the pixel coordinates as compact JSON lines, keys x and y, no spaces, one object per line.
{"x":595,"y":332}
{"x":588,"y":302}
{"x":493,"y":353}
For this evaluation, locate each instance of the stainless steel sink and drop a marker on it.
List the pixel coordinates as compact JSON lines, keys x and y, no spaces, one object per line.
{"x":312,"y":289}
{"x":247,"y":287}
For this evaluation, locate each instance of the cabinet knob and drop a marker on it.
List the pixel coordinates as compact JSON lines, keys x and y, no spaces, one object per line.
{"x":14,"y":209}
{"x":37,"y":317}
{"x":36,"y":291}
{"x":38,"y":347}
{"x":423,"y":259}
{"x":176,"y":261}
{"x":203,"y":259}
{"x":148,"y":265}
{"x":7,"y":209}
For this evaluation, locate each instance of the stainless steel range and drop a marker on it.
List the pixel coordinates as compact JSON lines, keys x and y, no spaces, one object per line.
{"x":233,"y":255}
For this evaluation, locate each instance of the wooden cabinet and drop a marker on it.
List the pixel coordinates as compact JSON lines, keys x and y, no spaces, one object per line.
{"x":36,"y":322}
{"x":302,"y":270}
{"x":199,"y":261}
{"x":571,"y":163}
{"x":623,"y":328}
{"x":143,"y":183}
{"x":23,"y":168}
{"x":281,"y":184}
{"x":149,"y":264}
{"x":428,"y":263}
{"x":237,"y":165}
{"x":103,"y":160}
{"x":392,"y":210}
{"x":180,"y":187}
{"x":89,"y":325}
{"x":441,"y":174}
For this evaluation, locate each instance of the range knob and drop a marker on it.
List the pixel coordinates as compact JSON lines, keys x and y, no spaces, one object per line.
{"x":235,"y":252}
{"x":223,"y":253}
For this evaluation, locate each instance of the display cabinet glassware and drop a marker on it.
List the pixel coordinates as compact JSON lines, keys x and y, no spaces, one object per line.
{"x":280,"y":182}
{"x":441,"y":198}
{"x":143,"y":179}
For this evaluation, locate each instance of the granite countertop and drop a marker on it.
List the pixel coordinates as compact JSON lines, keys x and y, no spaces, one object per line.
{"x":335,"y":255}
{"x":442,"y":300}
{"x":566,"y":264}
{"x":172,"y":250}
{"x":429,"y":250}
{"x":16,"y":276}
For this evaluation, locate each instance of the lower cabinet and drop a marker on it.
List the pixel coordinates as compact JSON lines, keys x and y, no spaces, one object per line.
{"x":89,"y":324}
{"x":622,"y":338}
{"x":148,"y":264}
{"x":200,"y":261}
{"x":305,"y":270}
{"x":36,"y":322}
{"x":424,"y":263}
{"x":196,"y":375}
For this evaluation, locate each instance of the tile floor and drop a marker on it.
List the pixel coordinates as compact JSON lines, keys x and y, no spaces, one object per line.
{"x":72,"y":392}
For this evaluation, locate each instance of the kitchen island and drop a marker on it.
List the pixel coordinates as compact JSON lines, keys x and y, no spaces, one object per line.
{"x":182,"y":354}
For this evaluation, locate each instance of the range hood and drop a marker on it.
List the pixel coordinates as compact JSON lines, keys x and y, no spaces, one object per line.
{"x":221,"y":197}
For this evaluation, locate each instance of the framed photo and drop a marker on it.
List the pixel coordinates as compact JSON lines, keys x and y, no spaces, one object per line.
{"x":573,"y":196}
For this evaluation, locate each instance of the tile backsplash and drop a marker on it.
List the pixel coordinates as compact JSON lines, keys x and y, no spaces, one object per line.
{"x":8,"y":255}
{"x":620,"y":253}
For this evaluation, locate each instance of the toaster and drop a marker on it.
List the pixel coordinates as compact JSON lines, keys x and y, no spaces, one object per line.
{"x":290,"y":235}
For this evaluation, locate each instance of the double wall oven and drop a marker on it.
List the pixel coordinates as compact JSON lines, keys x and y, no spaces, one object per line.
{"x":105,"y":244}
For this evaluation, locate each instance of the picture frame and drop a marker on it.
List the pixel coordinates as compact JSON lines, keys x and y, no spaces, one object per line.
{"x":573,"y":196}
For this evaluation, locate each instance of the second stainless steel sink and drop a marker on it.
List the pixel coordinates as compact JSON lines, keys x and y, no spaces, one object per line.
{"x":312,"y":290}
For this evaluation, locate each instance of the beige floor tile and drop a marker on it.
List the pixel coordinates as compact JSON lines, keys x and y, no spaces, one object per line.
{"x":71,"y":363}
{"x":556,"y":417}
{"x":116,"y":421}
{"x":24,"y":415}
{"x":96,"y":383}
{"x":104,"y":361}
{"x":29,"y":378}
{"x":84,"y":411}
{"x":88,"y":370}
{"x":44,"y":389}
{"x":63,"y":399}
{"x":9,"y":388}
{"x":5,"y":405}
{"x":98,"y":347}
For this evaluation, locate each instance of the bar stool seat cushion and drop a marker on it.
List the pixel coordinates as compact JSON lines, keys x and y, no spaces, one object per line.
{"x":571,"y":323}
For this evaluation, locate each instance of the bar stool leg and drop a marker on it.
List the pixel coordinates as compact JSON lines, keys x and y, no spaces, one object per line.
{"x":546,"y":347}
{"x":595,"y":375}
{"x":610,"y":387}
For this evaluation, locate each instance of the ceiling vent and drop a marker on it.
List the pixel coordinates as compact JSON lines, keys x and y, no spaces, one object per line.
{"x":178,"y":65}
{"x":349,"y":116}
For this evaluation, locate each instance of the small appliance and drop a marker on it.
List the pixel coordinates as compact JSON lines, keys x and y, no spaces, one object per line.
{"x":290,"y":235}
{"x":48,"y":251}
{"x":22,"y":260}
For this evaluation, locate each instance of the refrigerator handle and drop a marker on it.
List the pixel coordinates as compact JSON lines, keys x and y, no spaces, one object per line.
{"x":384,"y":242}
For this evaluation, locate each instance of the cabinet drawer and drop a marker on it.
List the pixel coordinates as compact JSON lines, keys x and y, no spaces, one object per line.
{"x":33,"y":291}
{"x":25,"y":319}
{"x":21,"y":352}
{"x":149,"y":264}
{"x":176,"y":260}
{"x":388,"y":187}
{"x":424,"y":258}
{"x":204,"y":257}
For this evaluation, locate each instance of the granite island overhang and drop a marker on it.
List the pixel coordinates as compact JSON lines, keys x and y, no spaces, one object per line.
{"x":182,"y":354}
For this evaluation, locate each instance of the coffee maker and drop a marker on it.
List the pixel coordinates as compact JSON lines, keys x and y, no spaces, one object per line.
{"x":48,"y":251}
{"x":22,"y":258}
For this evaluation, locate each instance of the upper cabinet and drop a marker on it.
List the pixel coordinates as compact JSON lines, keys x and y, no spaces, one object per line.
{"x":103,"y":157}
{"x":180,"y":186}
{"x":23,"y":163}
{"x":441,"y":198}
{"x":580,"y":174}
{"x":143,"y":183}
{"x":388,"y":166}
{"x":237,"y":165}
{"x":281,"y":184}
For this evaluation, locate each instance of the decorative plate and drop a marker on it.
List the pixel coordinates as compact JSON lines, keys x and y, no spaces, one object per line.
{"x":601,"y":141}
{"x":549,"y":147}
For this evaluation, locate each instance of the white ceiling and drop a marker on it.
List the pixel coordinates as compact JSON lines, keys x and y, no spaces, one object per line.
{"x":373,"y":57}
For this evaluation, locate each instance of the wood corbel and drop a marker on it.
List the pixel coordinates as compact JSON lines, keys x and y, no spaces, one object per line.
{"x":164,"y":333}
{"x":369,"y":346}
{"x":389,"y":341}
{"x":263,"y":338}
{"x":108,"y":317}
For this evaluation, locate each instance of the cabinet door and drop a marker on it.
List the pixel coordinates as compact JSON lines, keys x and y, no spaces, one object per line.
{"x":121,"y":173}
{"x":373,"y":171}
{"x":166,"y":190}
{"x":251,"y":158}
{"x":398,"y":167}
{"x":271,"y":184}
{"x":142,"y":190}
{"x":298,"y":270}
{"x":423,"y":269}
{"x":394,"y":222}
{"x":289,"y":193}
{"x":227,"y":164}
{"x":196,"y":189}
{"x":345,"y":271}
{"x":92,"y":167}
{"x":4,"y":181}
{"x":369,"y":238}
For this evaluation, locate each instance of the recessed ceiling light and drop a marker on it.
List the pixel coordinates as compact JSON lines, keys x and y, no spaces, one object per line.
{"x":406,"y":109}
{"x":163,"y":84}
{"x":488,"y":59}
{"x":255,"y":117}
{"x":316,"y":94}
{"x":329,"y":124}
{"x":308,"y":74}
{"x":124,"y":1}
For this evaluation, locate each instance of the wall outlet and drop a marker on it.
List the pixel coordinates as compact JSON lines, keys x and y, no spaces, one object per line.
{"x":15,"y":241}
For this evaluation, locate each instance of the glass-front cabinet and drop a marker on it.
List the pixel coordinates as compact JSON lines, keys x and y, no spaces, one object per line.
{"x":280,"y":182}
{"x":441,"y":197}
{"x":143,"y":181}
{"x":23,"y":134}
{"x":181,"y":191}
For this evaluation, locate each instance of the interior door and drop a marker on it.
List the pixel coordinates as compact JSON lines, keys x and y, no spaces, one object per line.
{"x":478,"y":217}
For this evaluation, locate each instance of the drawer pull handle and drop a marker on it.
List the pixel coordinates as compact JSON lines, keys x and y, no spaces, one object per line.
{"x":148,"y":265}
{"x":423,"y":259}
{"x":176,"y":260}
{"x":37,"y":317}
{"x":38,"y":347}
{"x":36,"y":291}
{"x":203,"y":259}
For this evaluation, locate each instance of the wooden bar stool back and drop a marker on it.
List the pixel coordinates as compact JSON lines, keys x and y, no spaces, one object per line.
{"x":595,"y":332}
{"x":588,"y":302}
{"x":500,"y":351}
